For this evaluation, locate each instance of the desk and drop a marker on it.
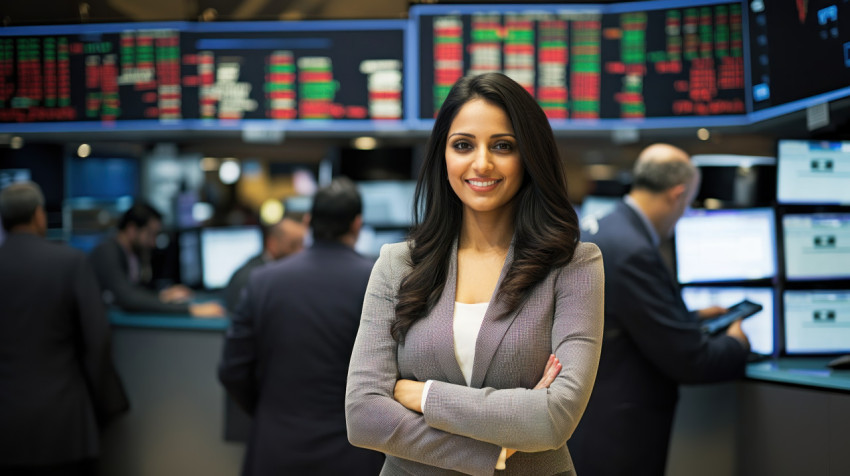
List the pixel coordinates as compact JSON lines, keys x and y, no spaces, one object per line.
{"x":804,"y":371}
{"x":789,"y":416}
{"x":795,"y":419}
{"x":175,"y":426}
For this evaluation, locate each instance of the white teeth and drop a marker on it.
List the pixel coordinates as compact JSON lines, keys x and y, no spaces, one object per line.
{"x":482,"y":184}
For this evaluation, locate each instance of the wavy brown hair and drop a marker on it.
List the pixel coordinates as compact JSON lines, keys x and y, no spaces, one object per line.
{"x":545,"y":225}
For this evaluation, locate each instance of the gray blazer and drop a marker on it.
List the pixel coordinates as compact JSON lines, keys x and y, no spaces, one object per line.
{"x":464,"y":428}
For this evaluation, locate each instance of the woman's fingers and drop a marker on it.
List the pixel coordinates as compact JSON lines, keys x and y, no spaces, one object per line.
{"x":550,"y":372}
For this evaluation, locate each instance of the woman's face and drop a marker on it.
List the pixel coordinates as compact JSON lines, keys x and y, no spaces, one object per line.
{"x":482,"y":158}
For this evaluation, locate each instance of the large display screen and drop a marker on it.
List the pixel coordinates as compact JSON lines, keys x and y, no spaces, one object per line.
{"x":799,"y":54}
{"x":725,"y":245}
{"x":817,"y":322}
{"x":308,"y":71}
{"x":288,"y":75}
{"x":813,"y":172}
{"x":623,"y":62}
{"x":91,"y":74}
{"x":759,"y":327}
{"x":817,"y":246}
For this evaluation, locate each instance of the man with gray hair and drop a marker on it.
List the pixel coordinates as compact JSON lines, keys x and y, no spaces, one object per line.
{"x":57,"y":381}
{"x":651,"y":343}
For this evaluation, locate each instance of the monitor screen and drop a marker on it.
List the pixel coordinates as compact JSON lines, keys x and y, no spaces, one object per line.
{"x":817,"y":322}
{"x":597,"y":207}
{"x":739,"y":181}
{"x":387,"y":203}
{"x":798,"y":54}
{"x":817,"y":246}
{"x":320,"y":70}
{"x":369,"y":241}
{"x":102,"y":177}
{"x":224,"y":250}
{"x":298,"y":204}
{"x":623,"y":62}
{"x":92,"y":74}
{"x":813,"y":172}
{"x":221,"y":75}
{"x":759,"y":327}
{"x":725,"y":245}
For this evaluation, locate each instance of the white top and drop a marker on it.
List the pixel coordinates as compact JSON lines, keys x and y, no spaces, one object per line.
{"x":467,"y":323}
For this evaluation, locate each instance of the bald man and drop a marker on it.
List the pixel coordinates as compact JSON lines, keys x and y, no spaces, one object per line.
{"x":279,"y":241}
{"x":652,"y":343}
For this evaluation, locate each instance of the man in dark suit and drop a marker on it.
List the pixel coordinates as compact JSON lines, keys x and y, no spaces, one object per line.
{"x":651,"y":343}
{"x":286,"y":355}
{"x":279,"y":241}
{"x":121,"y":267}
{"x":57,"y":380}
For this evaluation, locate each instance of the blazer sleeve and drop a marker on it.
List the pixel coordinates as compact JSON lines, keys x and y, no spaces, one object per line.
{"x":238,"y":367}
{"x":373,"y":418}
{"x":108,"y":395}
{"x":107,"y":263}
{"x":544,"y":419}
{"x":663,"y":329}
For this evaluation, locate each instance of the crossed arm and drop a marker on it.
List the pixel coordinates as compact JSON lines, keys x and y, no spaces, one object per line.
{"x":410,"y":394}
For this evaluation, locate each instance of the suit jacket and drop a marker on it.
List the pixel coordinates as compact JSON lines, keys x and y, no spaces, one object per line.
{"x":57,"y":381}
{"x":110,"y":265}
{"x":239,"y":280}
{"x":651,"y":344}
{"x":286,"y":357}
{"x":465,"y":427}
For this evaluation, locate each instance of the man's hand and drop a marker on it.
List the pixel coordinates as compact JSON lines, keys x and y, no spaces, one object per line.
{"x":176,"y":293}
{"x":207,"y":309}
{"x":737,"y":332}
{"x":711,"y":312}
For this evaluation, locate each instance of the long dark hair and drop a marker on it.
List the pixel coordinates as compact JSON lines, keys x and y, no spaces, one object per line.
{"x":546,"y":226}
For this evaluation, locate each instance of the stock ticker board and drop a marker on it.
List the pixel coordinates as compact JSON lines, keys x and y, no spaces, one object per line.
{"x":666,"y":63}
{"x":199,"y":75}
{"x":590,"y":63}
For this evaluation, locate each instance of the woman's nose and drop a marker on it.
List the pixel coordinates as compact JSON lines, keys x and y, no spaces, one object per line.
{"x":483,"y":162}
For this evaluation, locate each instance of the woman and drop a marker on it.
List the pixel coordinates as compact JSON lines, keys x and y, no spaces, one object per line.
{"x":462,"y":319}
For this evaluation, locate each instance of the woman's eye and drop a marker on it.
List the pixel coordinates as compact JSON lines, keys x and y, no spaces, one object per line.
{"x":503,"y":146}
{"x":461,"y":145}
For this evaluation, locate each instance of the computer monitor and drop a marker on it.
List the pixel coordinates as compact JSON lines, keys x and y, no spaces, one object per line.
{"x":759,"y":327}
{"x":817,"y":321}
{"x":224,"y":250}
{"x":370,"y":240}
{"x":597,"y":206}
{"x":816,"y":246}
{"x":739,"y":181}
{"x":813,"y":172}
{"x":298,"y":204}
{"x":387,"y":203}
{"x":725,"y":245}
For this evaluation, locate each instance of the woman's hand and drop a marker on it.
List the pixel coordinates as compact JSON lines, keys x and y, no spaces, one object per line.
{"x":550,"y":372}
{"x":409,"y":394}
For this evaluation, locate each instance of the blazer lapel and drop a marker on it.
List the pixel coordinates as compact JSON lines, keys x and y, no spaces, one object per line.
{"x":493,"y":328}
{"x":443,"y":314}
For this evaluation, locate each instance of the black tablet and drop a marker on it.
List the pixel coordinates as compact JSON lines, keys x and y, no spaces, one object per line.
{"x":745,"y":308}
